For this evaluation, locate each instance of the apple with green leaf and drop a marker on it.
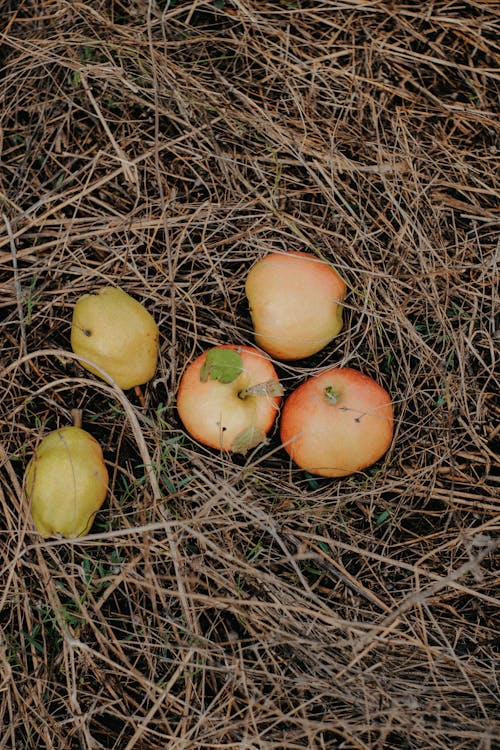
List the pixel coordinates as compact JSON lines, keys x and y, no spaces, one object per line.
{"x":337,"y":423}
{"x":229,"y":397}
{"x":295,"y":304}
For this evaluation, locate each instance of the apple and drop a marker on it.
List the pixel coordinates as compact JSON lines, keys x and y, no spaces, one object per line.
{"x":66,"y":482}
{"x":228,"y":398}
{"x":337,"y":423}
{"x":295,"y":304}
{"x":115,"y":332}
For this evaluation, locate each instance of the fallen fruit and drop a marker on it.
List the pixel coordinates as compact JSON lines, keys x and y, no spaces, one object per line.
{"x":115,"y":332}
{"x":337,"y":423}
{"x":66,"y":482}
{"x":295,"y":303}
{"x":228,"y":398}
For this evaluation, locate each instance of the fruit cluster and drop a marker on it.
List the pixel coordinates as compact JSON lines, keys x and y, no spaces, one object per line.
{"x":333,"y":424}
{"x":66,"y":480}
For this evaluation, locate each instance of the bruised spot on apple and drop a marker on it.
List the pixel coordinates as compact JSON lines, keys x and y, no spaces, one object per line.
{"x":115,"y":332}
{"x":228,"y":398}
{"x":337,"y":423}
{"x":66,"y":482}
{"x":295,"y":303}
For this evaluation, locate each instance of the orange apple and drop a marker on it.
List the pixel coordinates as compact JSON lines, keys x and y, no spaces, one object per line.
{"x":295,"y":303}
{"x":337,"y":423}
{"x":228,"y":398}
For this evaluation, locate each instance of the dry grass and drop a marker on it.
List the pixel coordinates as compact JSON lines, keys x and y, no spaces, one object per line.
{"x":238,"y":603}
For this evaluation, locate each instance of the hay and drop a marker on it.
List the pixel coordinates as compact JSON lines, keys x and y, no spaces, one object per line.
{"x":239,"y":603}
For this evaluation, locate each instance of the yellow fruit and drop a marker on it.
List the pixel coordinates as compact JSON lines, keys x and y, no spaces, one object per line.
{"x":66,"y":483}
{"x":116,"y":333}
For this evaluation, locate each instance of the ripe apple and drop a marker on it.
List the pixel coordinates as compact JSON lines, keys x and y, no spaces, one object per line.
{"x":336,"y":423}
{"x":118,"y":334}
{"x":228,"y":398}
{"x":295,"y":303}
{"x":66,"y":482}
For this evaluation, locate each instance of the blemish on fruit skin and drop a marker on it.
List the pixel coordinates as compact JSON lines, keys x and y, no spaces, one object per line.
{"x":87,"y":332}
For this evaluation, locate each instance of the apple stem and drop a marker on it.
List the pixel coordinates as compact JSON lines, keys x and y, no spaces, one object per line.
{"x":331,"y":394}
{"x":140,"y":395}
{"x":77,"y":417}
{"x":269,"y":388}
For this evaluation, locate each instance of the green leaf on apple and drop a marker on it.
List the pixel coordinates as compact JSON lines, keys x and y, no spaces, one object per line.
{"x":223,"y":365}
{"x":249,"y":438}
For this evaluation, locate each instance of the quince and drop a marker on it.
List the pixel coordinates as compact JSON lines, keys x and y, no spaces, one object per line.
{"x":66,"y":482}
{"x":115,"y":332}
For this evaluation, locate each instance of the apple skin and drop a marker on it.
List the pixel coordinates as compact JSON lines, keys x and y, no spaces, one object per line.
{"x":337,"y":439}
{"x":118,"y":334}
{"x":295,"y":304}
{"x":66,"y":482}
{"x":214,"y":414}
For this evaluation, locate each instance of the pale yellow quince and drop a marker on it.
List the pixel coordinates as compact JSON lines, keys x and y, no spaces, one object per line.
{"x":66,"y":482}
{"x":115,"y":332}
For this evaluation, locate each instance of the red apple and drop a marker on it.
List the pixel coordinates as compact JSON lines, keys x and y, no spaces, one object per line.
{"x":295,"y":303}
{"x":228,"y":397}
{"x":336,"y":423}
